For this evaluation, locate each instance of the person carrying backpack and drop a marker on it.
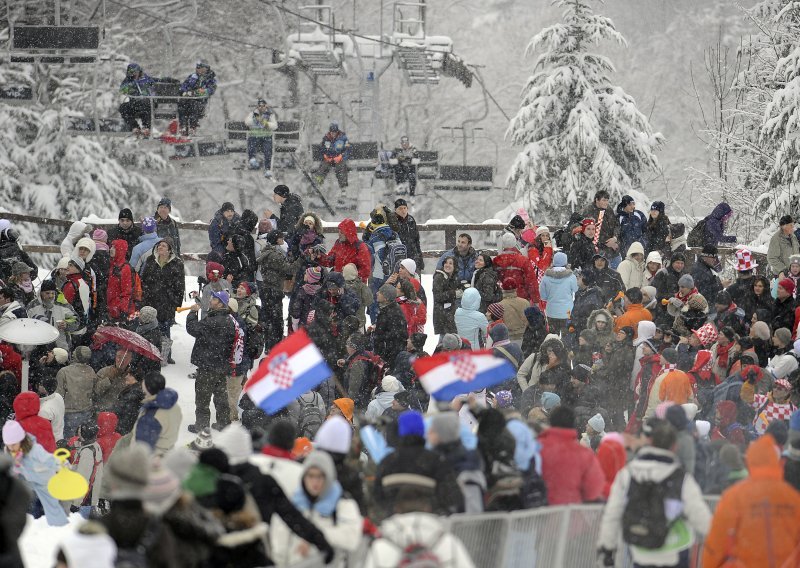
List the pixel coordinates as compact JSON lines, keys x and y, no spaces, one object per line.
{"x":88,"y":462}
{"x":311,"y":414}
{"x":711,"y":229}
{"x":654,"y":505}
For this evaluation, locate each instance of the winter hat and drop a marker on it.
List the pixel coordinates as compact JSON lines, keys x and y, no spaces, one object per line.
{"x":13,"y":433}
{"x":409,"y":265}
{"x":690,"y":409}
{"x":657,"y":206}
{"x":222,"y":296}
{"x":677,"y":417}
{"x":357,"y":342}
{"x":166,"y":201}
{"x":582,"y":372}
{"x":350,"y":272}
{"x":794,"y":259}
{"x":389,"y":292}
{"x":550,"y":400}
{"x":61,"y":355}
{"x":783,"y":335}
{"x":541,"y":230}
{"x":670,"y":354}
{"x":282,"y":434}
{"x":650,"y":292}
{"x":744,"y":261}
{"x":233,"y":305}
{"x":782,"y":366}
{"x":709,"y":251}
{"x":703,"y":427}
{"x":788,"y":285}
{"x":785,"y":220}
{"x":281,"y":190}
{"x":528,"y":235}
{"x":149,"y":225}
{"x":48,"y":286}
{"x":249,"y":287}
{"x":504,"y":399}
{"x":236,"y":442}
{"x":560,"y":259}
{"x":162,"y":491}
{"x":497,"y":310}
{"x":498,"y":332}
{"x":147,"y":314}
{"x":302,"y":447}
{"x":447,"y":426}
{"x":391,"y":384}
{"x":410,"y":423}
{"x":89,"y":545}
{"x":346,"y":405}
{"x":451,"y":342}
{"x":686,"y":281}
{"x":313,"y":274}
{"x":19,"y":268}
{"x":698,"y":302}
{"x":227,"y":206}
{"x":334,"y":280}
{"x":586,"y":222}
{"x":400,"y":202}
{"x":273,"y":235}
{"x":597,"y":423}
{"x":126,"y":213}
{"x":707,"y":334}
{"x":230,"y":494}
{"x":179,"y":460}
{"x":100,"y":238}
{"x":761,"y":330}
{"x":723,"y":298}
{"x":782,"y":384}
{"x":403,"y":398}
{"x":517,"y":222}
{"x":126,"y":471}
{"x":508,"y":240}
{"x":335,"y":435}
{"x":203,"y":441}
{"x":82,"y":354}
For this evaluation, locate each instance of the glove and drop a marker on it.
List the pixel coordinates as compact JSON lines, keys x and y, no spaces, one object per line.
{"x":605,"y":557}
{"x":675,"y":302}
{"x":459,"y":293}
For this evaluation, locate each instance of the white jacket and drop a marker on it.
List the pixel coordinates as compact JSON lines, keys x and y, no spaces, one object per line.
{"x":630,"y":270}
{"x":286,"y":472}
{"x":51,"y":408}
{"x":400,"y":531}
{"x":652,"y":464}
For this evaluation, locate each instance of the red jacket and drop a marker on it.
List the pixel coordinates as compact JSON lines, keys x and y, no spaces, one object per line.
{"x":511,"y":264}
{"x":107,"y":436}
{"x":12,"y":361}
{"x":120,"y":283}
{"x":415,"y":315}
{"x":541,"y":260}
{"x":26,"y":407}
{"x":351,"y":251}
{"x":612,"y":458}
{"x":571,"y":472}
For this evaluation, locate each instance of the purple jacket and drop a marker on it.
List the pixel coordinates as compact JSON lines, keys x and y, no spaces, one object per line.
{"x":715,"y":225}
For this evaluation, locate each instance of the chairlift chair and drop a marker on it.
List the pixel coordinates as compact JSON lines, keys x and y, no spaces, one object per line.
{"x":16,"y":94}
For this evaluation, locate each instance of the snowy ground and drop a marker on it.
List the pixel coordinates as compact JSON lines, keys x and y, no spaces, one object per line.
{"x":39,"y":542}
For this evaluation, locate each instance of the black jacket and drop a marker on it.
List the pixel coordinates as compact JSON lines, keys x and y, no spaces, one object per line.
{"x":214,"y":336}
{"x":126,"y":523}
{"x":391,"y":332}
{"x":14,"y":500}
{"x":444,"y":292}
{"x":656,"y":233}
{"x":609,"y":283}
{"x":127,"y":407}
{"x":131,"y":236}
{"x":163,"y":287}
{"x":706,"y":281}
{"x":409,"y":234}
{"x":101,"y":264}
{"x":586,"y":301}
{"x":485,"y":281}
{"x":291,"y":211}
{"x":783,"y":314}
{"x":436,"y":477}
{"x":581,"y":252}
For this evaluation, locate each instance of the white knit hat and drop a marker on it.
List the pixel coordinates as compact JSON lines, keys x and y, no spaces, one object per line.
{"x":236,"y":442}
{"x":334,"y":435}
{"x":597,"y":423}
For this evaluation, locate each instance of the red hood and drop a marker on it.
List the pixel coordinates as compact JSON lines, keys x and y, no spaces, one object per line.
{"x":727,"y":412}
{"x":106,"y":423}
{"x":702,"y":361}
{"x":121,"y":246}
{"x":26,"y":405}
{"x":348,"y":228}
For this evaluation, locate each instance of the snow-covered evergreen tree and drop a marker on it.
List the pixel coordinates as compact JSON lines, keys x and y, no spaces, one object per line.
{"x":580,"y":132}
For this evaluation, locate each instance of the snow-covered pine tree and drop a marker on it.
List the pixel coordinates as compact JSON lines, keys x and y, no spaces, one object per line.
{"x":580,"y":132}
{"x":782,"y":115}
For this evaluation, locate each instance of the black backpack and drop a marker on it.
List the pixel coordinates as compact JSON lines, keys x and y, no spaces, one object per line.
{"x":254,"y":342}
{"x":697,"y":236}
{"x":310,"y":416}
{"x":644,"y":521}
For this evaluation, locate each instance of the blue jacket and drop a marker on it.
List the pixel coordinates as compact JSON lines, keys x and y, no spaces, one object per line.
{"x":146,"y":243}
{"x":558,"y":290}
{"x":38,"y":466}
{"x":465,"y":265}
{"x":141,"y":87}
{"x":149,"y":427}
{"x":471,"y":324}
{"x":218,"y":227}
{"x":195,"y":81}
{"x":631,"y":228}
{"x":526,"y":447}
{"x":715,"y":226}
{"x":337,"y":145}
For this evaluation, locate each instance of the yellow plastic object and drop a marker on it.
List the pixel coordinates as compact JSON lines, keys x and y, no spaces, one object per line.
{"x":66,"y":485}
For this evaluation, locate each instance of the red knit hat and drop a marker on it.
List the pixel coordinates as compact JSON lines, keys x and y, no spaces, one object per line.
{"x":497,"y":310}
{"x":788,"y":285}
{"x":586,"y":222}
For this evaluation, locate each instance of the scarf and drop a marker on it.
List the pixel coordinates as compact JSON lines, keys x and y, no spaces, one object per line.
{"x":668,"y":368}
{"x":144,"y":327}
{"x":723,"y":353}
{"x":308,"y":237}
{"x":685,"y":299}
{"x":311,"y":289}
{"x":276,"y":452}
{"x":598,"y":227}
{"x":325,"y":504}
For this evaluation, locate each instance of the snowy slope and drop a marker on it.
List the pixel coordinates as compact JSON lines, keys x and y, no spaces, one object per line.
{"x":39,"y":541}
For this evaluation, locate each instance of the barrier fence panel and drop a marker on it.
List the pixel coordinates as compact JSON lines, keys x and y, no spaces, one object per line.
{"x":484,"y":536}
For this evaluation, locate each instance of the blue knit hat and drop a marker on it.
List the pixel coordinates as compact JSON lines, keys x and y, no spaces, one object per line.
{"x":550,"y":400}
{"x":560,"y":259}
{"x":410,"y":423}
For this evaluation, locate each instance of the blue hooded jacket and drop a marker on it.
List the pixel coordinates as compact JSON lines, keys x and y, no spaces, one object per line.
{"x":471,"y":324}
{"x":715,"y":225}
{"x":142,"y":87}
{"x":148,"y":427}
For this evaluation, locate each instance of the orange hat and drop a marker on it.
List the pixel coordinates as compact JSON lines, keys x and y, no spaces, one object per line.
{"x":346,"y":405}
{"x":302,"y":447}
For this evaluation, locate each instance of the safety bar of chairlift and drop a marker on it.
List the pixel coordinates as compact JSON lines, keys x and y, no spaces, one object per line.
{"x":154,"y":99}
